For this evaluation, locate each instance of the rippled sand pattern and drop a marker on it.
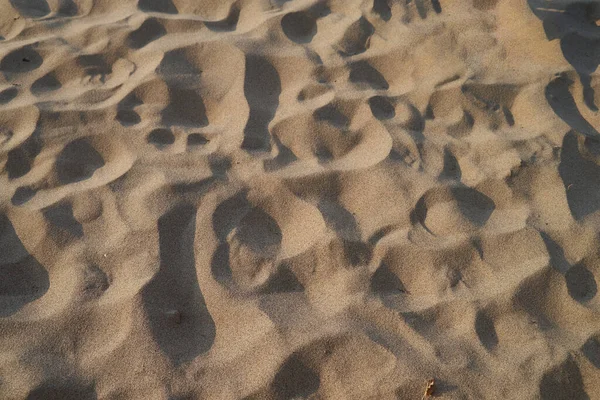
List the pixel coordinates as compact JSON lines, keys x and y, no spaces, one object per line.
{"x":299,"y":199}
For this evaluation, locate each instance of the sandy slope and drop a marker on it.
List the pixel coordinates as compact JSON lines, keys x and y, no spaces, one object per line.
{"x":271,"y":199}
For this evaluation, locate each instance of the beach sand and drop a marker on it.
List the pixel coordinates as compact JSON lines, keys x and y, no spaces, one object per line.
{"x":299,"y":199}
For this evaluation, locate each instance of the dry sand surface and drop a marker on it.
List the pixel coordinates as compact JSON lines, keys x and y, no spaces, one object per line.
{"x":301,"y":199}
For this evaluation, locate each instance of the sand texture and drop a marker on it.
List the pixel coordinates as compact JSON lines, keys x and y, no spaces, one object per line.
{"x":299,"y":199}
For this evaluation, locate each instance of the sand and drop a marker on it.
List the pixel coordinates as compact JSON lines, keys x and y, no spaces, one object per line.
{"x":299,"y":199}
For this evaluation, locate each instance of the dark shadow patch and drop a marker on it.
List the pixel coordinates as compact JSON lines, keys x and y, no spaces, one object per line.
{"x":199,"y":187}
{"x":320,"y":9}
{"x":415,"y":126}
{"x":128,"y":117}
{"x":357,"y":253}
{"x":563,"y":104}
{"x":94,"y":64}
{"x":295,"y":380}
{"x":592,"y":145}
{"x":77,"y":161}
{"x":329,"y":113}
{"x":526,"y":298}
{"x":196,"y":139}
{"x":61,"y":216}
{"x":70,"y":391}
{"x":591,"y":350}
{"x":31,"y":8}
{"x":339,"y":219}
{"x":126,"y":114}
{"x":419,"y":213}
{"x":22,"y":195}
{"x":323,"y":154}
{"x":566,"y":17}
{"x":417,"y":320}
{"x":46,"y":83}
{"x":382,"y":108}
{"x":508,"y":116}
{"x":177,"y":71}
{"x":219,"y":165}
{"x":185,"y":108}
{"x":262,"y":87}
{"x":486,"y":331}
{"x":159,"y":6}
{"x":7,"y":95}
{"x":95,"y":282}
{"x":421,"y":9}
{"x":220,"y":266}
{"x":300,"y":27}
{"x":364,"y":74}
{"x":278,"y":3}
{"x":581,"y":283}
{"x":161,"y":137}
{"x":150,"y":30}
{"x":179,"y":319}
{"x":356,"y":38}
{"x":25,"y":59}
{"x":283,"y":281}
{"x":580,"y":177}
{"x":18,"y":163}
{"x":129,"y":102}
{"x":581,"y":50}
{"x":229,"y":24}
{"x":68,"y":8}
{"x":382,"y":8}
{"x":22,"y":278}
{"x":474,"y":205}
{"x":20,"y":159}
{"x":451,"y":170}
{"x":563,"y":382}
{"x":385,"y":282}
{"x":556,"y":253}
{"x":259,"y":232}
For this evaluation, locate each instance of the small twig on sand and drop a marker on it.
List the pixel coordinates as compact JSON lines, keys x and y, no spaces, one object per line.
{"x":429,"y":390}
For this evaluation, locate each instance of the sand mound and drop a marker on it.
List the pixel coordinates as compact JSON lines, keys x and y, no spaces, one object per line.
{"x":299,"y":199}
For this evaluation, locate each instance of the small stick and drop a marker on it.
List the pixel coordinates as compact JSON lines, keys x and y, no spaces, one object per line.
{"x":430,"y":389}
